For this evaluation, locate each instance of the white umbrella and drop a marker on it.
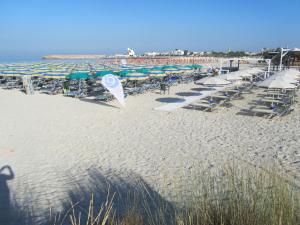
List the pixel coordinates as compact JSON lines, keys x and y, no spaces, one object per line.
{"x":243,"y":73}
{"x":213,"y":81}
{"x":253,"y":70}
{"x":276,"y":83}
{"x":288,"y":73}
{"x":285,"y":79}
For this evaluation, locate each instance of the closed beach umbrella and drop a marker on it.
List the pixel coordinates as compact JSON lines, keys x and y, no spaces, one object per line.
{"x":213,"y":81}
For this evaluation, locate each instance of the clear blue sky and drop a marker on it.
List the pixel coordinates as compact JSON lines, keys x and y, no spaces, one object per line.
{"x":105,"y":26}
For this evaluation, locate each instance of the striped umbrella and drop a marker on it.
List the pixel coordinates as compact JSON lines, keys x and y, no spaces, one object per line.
{"x":54,"y":75}
{"x":136,"y":76}
{"x":156,"y":73}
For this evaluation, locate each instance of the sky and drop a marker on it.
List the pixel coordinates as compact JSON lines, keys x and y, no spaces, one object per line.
{"x":32,"y":27}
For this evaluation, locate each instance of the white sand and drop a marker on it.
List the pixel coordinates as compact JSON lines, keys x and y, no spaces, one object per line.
{"x":51,"y":142}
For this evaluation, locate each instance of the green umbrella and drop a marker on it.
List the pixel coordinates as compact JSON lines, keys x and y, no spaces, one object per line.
{"x":195,"y":66}
{"x":123,"y":73}
{"x":169,"y":68}
{"x":78,"y":75}
{"x":103,"y":73}
{"x":143,"y":70}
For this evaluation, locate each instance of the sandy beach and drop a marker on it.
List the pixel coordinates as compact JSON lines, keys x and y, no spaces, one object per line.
{"x":51,"y":142}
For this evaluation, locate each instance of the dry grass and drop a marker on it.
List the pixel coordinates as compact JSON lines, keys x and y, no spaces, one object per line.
{"x":237,"y":198}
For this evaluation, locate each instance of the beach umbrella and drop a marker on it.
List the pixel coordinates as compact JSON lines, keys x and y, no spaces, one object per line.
{"x":231,"y":76}
{"x":253,"y":70}
{"x":185,"y":68}
{"x":276,"y":83}
{"x":136,"y":76}
{"x":142,"y":70}
{"x":171,"y":70}
{"x":213,"y":81}
{"x":289,"y":73}
{"x":103,"y":73}
{"x":284,"y":78}
{"x":157,"y":68}
{"x":196,"y":66}
{"x":123,"y":73}
{"x":55,"y":75}
{"x":169,"y":67}
{"x":156,"y":73}
{"x":78,"y":75}
{"x":11,"y":74}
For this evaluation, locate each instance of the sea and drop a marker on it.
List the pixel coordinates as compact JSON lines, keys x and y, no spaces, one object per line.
{"x":33,"y":59}
{"x":20,"y":59}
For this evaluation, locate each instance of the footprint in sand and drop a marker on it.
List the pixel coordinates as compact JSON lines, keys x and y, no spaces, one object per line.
{"x":6,"y":151}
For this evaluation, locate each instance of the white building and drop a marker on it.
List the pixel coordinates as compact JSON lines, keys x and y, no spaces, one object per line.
{"x":130,"y":52}
{"x":152,"y":54}
{"x":177,"y":52}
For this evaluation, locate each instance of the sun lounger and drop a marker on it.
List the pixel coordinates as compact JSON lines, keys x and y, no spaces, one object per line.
{"x":273,"y":101}
{"x":206,"y":106}
{"x":266,"y":111}
{"x":216,"y":96}
{"x":271,"y":112}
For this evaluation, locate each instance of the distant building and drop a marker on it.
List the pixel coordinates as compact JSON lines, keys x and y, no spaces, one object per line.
{"x":177,"y":52}
{"x":152,"y":54}
{"x":130,"y":52}
{"x":121,"y":56}
{"x":251,"y":53}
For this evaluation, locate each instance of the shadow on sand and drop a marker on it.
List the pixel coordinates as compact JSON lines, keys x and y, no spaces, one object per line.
{"x":124,"y":194}
{"x":129,"y":197}
{"x":6,"y":174}
{"x":10,"y":212}
{"x":188,"y":94}
{"x":99,"y":103}
{"x":203,"y":89}
{"x":170,"y":100}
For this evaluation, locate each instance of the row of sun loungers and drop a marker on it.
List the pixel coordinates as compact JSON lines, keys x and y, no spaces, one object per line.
{"x":90,"y":88}
{"x":220,"y":98}
{"x":274,"y":103}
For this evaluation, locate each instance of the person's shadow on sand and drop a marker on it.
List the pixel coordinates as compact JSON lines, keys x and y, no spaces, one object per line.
{"x":6,"y":174}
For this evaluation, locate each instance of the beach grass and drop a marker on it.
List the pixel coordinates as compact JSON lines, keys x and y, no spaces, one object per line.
{"x":237,"y":197}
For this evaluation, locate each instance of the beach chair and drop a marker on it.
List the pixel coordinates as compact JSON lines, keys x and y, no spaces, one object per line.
{"x":104,"y":96}
{"x":165,"y":87}
{"x":207,"y":104}
{"x":271,"y":111}
{"x":265,"y":111}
